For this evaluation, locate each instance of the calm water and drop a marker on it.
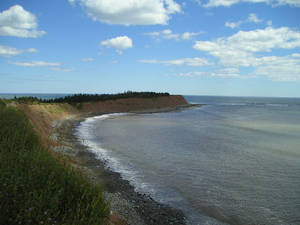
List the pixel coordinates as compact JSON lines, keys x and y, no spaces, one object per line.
{"x":233,"y":161}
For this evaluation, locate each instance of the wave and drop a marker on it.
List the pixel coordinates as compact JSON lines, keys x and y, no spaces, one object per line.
{"x":85,"y":133}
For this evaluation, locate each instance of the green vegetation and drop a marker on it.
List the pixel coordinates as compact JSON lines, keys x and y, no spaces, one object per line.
{"x":35,"y":187}
{"x":30,"y":100}
{"x":78,"y":98}
{"x":2,"y":104}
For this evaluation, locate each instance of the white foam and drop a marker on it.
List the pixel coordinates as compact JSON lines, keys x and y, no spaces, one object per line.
{"x":85,"y":133}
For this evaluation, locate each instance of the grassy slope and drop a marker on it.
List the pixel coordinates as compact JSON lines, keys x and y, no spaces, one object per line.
{"x":35,"y":188}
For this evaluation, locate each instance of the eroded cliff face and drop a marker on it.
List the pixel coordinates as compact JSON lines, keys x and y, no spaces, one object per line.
{"x":133,"y":104}
{"x":44,"y":116}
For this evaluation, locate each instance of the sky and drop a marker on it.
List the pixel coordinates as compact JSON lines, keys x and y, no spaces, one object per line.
{"x":190,"y":47}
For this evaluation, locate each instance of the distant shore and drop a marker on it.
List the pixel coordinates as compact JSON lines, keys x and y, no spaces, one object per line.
{"x":127,"y":205}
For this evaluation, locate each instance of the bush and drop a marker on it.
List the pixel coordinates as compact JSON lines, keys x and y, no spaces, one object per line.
{"x":27,"y":99}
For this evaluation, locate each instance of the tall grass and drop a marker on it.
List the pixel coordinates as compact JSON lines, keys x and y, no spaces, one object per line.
{"x":35,"y":188}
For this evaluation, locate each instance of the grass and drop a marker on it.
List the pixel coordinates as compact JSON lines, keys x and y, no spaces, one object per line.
{"x":36,"y":188}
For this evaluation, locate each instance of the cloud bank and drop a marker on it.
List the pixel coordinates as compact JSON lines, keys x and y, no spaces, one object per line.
{"x":247,"y":48}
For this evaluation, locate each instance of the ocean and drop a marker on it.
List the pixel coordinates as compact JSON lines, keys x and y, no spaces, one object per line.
{"x":235,"y":160}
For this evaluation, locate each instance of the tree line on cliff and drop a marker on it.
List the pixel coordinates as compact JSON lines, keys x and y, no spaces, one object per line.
{"x":78,"y":98}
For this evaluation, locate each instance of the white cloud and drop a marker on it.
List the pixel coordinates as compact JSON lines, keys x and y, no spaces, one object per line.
{"x":132,"y":12}
{"x":118,"y":43}
{"x":242,"y":48}
{"x":179,"y":62}
{"x":55,"y":66}
{"x":279,"y":68}
{"x":228,"y":72}
{"x":168,"y":35}
{"x":269,"y":23}
{"x":233,"y":24}
{"x":8,"y":51}
{"x":37,"y":64}
{"x":87,"y":59}
{"x":222,"y":73}
{"x":31,"y":50}
{"x":61,"y":69}
{"x":260,"y":40}
{"x":252,"y":18}
{"x":18,"y":22}
{"x":227,"y":3}
{"x":189,"y":35}
{"x":72,"y":2}
{"x":193,"y":74}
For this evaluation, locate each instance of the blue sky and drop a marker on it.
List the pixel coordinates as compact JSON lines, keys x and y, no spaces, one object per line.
{"x":199,"y":47}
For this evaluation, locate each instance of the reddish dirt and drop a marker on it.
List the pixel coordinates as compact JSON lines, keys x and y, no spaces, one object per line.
{"x":133,"y":104}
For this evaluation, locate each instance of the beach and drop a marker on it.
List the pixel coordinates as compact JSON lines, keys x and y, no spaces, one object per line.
{"x":127,"y":205}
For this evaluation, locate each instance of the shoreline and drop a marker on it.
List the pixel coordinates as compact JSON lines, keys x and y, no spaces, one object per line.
{"x":127,"y":205}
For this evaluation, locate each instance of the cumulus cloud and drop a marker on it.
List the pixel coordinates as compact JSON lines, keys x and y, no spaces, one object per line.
{"x":252,"y":18}
{"x":133,"y":12}
{"x":8,"y":51}
{"x":168,"y":35}
{"x":179,"y":62}
{"x":227,"y":3}
{"x":87,"y":59}
{"x":18,"y":22}
{"x":242,"y":48}
{"x":119,"y":43}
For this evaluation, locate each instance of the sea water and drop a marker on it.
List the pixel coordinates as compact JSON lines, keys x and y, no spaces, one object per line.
{"x":231,"y":161}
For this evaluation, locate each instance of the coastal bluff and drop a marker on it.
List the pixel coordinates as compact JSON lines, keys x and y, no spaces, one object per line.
{"x":44,"y":116}
{"x":132,"y":104}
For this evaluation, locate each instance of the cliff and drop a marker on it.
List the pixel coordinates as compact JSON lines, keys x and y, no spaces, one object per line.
{"x":132,"y":104}
{"x":43,"y":116}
